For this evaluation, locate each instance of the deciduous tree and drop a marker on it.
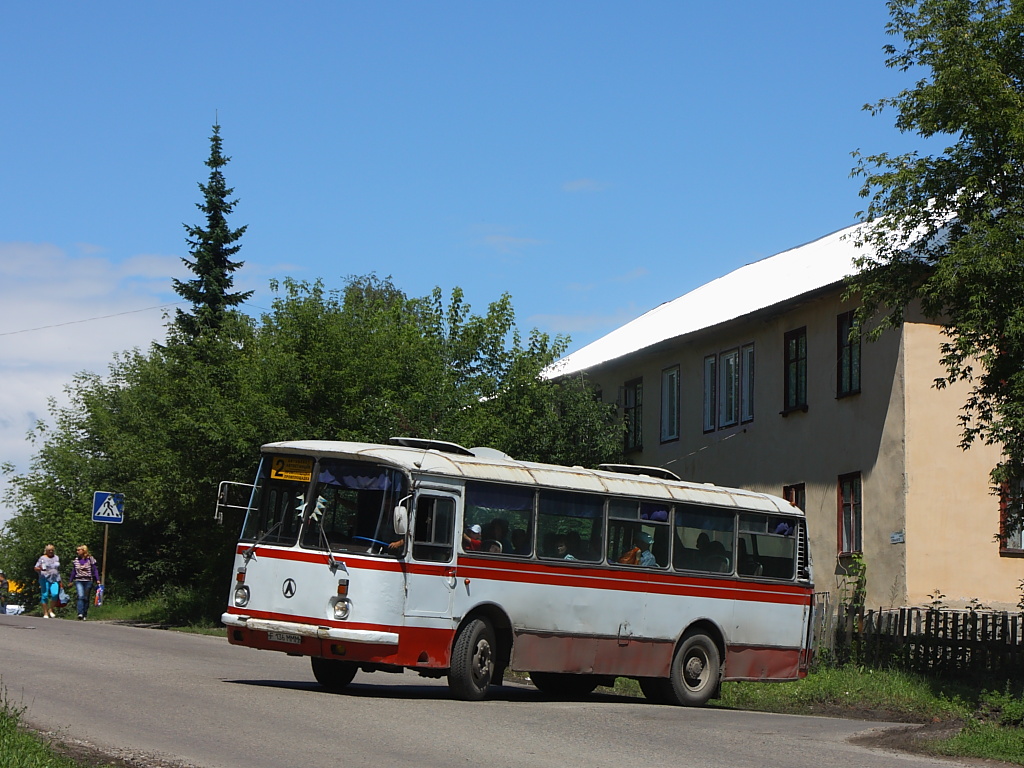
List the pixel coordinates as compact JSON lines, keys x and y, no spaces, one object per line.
{"x":946,"y":229}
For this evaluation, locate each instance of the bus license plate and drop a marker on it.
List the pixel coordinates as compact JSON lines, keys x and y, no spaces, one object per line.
{"x":284,"y":637}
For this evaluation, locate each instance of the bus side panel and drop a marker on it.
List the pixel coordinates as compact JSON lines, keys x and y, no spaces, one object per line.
{"x":754,"y":663}
{"x":546,"y":652}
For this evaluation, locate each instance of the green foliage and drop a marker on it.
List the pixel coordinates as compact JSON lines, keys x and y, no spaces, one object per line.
{"x":947,"y":229}
{"x":213,"y":249}
{"x":853,"y":582}
{"x":365,"y":362}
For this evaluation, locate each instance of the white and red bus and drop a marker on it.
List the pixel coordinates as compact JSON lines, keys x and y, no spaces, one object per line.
{"x":423,"y":555}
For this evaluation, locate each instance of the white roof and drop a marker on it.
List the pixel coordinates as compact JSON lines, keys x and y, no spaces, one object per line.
{"x":456,"y":462}
{"x":764,"y":283}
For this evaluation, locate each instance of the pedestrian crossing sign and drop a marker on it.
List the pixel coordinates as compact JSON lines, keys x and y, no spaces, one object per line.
{"x":107,"y":507}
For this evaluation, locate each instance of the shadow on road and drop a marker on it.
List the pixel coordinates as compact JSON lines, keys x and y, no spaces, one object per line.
{"x":513,"y":692}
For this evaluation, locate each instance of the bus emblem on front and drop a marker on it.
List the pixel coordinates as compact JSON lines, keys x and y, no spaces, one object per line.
{"x":288,"y":588}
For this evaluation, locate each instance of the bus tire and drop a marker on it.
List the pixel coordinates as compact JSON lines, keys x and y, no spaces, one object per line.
{"x":473,"y":661}
{"x":561,"y":684}
{"x":333,"y":674}
{"x":696,"y":671}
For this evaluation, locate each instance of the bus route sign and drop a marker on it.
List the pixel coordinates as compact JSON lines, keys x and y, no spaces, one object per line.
{"x":107,"y":507}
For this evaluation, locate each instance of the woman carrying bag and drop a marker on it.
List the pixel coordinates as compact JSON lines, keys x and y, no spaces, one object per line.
{"x":84,"y":574}
{"x":48,"y":568}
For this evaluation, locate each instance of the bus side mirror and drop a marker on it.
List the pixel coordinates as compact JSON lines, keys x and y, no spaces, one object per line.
{"x":401,"y":520}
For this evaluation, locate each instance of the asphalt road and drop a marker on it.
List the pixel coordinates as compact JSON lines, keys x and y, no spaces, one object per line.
{"x":197,"y":700}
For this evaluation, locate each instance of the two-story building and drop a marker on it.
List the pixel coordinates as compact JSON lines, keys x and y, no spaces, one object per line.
{"x":752,"y":381}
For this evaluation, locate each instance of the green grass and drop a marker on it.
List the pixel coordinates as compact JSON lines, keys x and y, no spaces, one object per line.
{"x":874,"y":694}
{"x":22,"y":749}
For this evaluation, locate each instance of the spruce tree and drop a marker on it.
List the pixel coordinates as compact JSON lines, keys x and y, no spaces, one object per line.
{"x":212,"y":249}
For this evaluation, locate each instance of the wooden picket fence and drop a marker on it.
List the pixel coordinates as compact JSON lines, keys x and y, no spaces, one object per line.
{"x":931,"y":640}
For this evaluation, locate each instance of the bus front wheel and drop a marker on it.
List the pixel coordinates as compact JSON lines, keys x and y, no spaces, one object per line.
{"x":696,"y":671}
{"x":473,"y":661}
{"x":333,"y":674}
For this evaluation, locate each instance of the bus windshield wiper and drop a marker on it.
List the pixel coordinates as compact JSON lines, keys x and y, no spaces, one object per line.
{"x":251,"y":551}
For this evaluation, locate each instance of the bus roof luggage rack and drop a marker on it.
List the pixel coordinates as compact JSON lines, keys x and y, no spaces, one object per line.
{"x":635,"y":469}
{"x":427,"y":445}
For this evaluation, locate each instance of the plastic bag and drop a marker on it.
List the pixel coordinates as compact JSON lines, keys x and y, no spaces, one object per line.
{"x":99,"y":595}
{"x":63,"y":598}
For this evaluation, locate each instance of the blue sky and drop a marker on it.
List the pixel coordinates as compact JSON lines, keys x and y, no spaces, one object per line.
{"x":592,"y":159}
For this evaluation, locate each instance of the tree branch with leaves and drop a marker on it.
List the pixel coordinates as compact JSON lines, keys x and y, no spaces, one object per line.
{"x":945,"y":231}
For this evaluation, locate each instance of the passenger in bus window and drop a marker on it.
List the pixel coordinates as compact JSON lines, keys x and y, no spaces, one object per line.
{"x":471,"y":538}
{"x":641,"y":553}
{"x":716,"y":559}
{"x":562,"y":549}
{"x":642,"y":541}
{"x":520,"y":542}
{"x":497,"y":529}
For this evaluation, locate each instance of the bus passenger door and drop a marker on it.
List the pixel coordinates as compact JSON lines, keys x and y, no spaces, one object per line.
{"x":430,"y":577}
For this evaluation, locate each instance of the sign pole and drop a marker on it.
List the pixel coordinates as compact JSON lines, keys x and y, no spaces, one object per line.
{"x":106,"y":535}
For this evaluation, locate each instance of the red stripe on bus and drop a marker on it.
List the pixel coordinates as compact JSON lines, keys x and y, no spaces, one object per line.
{"x":535,"y":572}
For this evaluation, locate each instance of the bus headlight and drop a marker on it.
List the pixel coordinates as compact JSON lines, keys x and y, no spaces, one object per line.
{"x":241,"y":596}
{"x":341,"y":609}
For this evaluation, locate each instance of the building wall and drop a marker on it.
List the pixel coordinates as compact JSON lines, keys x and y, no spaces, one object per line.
{"x":899,"y":433}
{"x":952,"y":514}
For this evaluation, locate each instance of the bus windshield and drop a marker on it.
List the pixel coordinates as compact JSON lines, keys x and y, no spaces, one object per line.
{"x":273,"y":517}
{"x":352,"y":507}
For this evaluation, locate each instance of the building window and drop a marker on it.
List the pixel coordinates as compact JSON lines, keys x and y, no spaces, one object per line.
{"x":632,"y":410}
{"x":1011,"y":518}
{"x":796,"y":370}
{"x":729,"y":388}
{"x":670,"y":404}
{"x":795,"y":495}
{"x":747,"y":383}
{"x":710,"y":392}
{"x":850,"y":514}
{"x":847,"y":355}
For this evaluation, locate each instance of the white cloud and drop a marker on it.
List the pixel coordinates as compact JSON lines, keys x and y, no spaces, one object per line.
{"x":61,"y":314}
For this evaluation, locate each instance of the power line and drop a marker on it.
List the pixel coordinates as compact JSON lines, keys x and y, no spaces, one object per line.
{"x":91,"y":319}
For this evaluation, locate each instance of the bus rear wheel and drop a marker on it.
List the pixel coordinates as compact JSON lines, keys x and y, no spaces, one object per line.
{"x":333,"y":674}
{"x":696,"y":671}
{"x":473,"y":661}
{"x":561,"y":684}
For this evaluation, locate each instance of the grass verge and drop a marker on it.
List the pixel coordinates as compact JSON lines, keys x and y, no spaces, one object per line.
{"x":23,"y":749}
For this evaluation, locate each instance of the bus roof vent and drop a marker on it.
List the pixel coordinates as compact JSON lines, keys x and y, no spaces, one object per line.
{"x":635,"y":469}
{"x":428,"y":445}
{"x":483,"y":452}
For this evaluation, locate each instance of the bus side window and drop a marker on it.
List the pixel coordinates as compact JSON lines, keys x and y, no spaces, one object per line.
{"x":638,"y":533}
{"x":704,"y":539}
{"x":433,"y":529}
{"x":504,"y":514}
{"x":770,"y":548}
{"x":576,"y":520}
